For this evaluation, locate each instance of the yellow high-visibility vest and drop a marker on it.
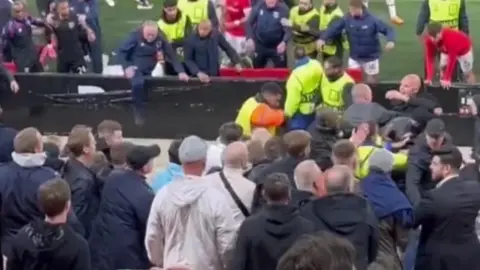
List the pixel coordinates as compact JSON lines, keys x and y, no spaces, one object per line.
{"x":446,"y":12}
{"x":302,"y":88}
{"x":332,"y":92}
{"x":325,"y":19}
{"x":197,"y":10}
{"x":300,"y":40}
{"x":363,"y":165}
{"x":173,"y":31}
{"x":244,"y":117}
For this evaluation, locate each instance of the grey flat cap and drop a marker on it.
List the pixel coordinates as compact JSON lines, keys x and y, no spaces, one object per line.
{"x":381,"y":159}
{"x":192,"y":149}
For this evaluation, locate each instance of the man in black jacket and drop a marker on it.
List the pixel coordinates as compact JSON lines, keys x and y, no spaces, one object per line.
{"x":418,"y":178}
{"x":413,"y":101}
{"x":82,"y":180}
{"x":345,"y":214}
{"x":448,"y":216}
{"x":263,"y":238}
{"x":201,"y":53}
{"x":50,"y":243}
{"x":325,"y":132}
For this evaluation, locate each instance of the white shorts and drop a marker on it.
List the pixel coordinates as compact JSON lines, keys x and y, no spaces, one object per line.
{"x":465,"y":61}
{"x":238,"y":43}
{"x":370,"y":68}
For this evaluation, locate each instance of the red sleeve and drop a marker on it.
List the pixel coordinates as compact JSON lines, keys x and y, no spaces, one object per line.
{"x":456,"y":44}
{"x":430,"y":50}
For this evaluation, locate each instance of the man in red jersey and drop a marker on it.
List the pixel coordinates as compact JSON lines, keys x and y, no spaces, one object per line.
{"x":453,"y":46}
{"x":236,"y":14}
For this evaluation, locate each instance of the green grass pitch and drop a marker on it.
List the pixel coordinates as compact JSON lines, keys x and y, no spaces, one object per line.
{"x":117,"y":21}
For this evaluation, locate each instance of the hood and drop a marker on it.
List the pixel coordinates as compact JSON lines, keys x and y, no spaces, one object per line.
{"x":187,"y":191}
{"x":301,"y":197}
{"x":280,"y":220}
{"x":29,"y":160}
{"x":45,"y":239}
{"x":341,"y":213}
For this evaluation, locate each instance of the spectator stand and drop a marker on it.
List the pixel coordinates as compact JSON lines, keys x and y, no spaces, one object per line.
{"x":174,"y":107}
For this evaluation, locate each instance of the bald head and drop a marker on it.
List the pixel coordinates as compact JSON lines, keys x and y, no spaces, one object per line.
{"x":306,"y":174}
{"x":204,"y":28}
{"x":361,"y":93}
{"x":261,"y":134}
{"x":410,"y":84}
{"x":235,"y":155}
{"x":338,"y":180}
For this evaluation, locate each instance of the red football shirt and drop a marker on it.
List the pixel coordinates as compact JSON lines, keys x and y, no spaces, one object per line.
{"x":234,"y":10}
{"x":454,"y":44}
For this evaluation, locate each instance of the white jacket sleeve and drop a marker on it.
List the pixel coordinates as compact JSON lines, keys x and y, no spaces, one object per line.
{"x":226,"y":232}
{"x":154,"y":236}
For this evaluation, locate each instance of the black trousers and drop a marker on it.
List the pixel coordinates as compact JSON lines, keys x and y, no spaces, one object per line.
{"x":34,"y":67}
{"x":77,"y":66}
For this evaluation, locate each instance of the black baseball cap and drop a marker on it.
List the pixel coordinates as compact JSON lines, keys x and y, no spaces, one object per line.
{"x":139,"y":155}
{"x":169,"y":3}
{"x":435,"y":128}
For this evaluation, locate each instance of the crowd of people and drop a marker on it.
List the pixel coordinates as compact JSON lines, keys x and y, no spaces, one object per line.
{"x":367,"y":188}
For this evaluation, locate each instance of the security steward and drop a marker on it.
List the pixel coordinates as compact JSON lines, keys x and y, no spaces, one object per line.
{"x":336,"y":86}
{"x":450,"y":14}
{"x":262,"y":110}
{"x":374,"y":142}
{"x":304,"y":21}
{"x":139,"y":54}
{"x":303,"y":94}
{"x":199,"y":10}
{"x":329,"y":13}
{"x":175,"y":25}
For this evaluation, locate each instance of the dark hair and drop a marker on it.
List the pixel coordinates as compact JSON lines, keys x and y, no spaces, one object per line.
{"x":78,"y":139}
{"x":276,"y":187}
{"x":335,"y":62}
{"x":271,"y":88}
{"x":51,"y":149}
{"x":296,"y":141}
{"x":433,"y":29}
{"x":108,"y":127}
{"x":343,"y":150}
{"x":173,"y":151}
{"x":299,"y":52}
{"x":274,"y":148}
{"x":53,"y":196}
{"x":336,"y":253}
{"x":230,"y":132}
{"x":450,"y":156}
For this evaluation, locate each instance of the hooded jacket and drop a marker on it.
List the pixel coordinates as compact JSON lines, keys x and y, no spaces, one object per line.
{"x":18,"y":186}
{"x":41,"y":245}
{"x":350,"y":216}
{"x":265,"y":237}
{"x":190,"y":224}
{"x":122,"y":214}
{"x":162,"y":178}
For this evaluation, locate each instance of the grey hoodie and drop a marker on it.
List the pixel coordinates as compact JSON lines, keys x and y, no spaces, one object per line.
{"x":191,"y":224}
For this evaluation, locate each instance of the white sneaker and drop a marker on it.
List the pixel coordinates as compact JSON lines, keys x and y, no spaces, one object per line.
{"x":144,"y":6}
{"x":111,"y":3}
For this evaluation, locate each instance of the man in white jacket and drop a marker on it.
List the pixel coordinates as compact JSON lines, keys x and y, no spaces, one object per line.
{"x":190,"y":222}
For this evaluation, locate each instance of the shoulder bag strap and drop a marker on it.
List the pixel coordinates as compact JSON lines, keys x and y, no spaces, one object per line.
{"x":237,"y":200}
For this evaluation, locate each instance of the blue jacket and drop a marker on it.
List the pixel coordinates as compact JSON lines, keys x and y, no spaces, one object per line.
{"x":118,"y":233}
{"x":7,"y":135}
{"x":362,"y":34}
{"x":424,"y":18}
{"x":136,"y":51}
{"x":386,"y":199}
{"x":202,"y":54}
{"x":264,"y":25}
{"x":162,"y":178}
{"x":18,"y":187}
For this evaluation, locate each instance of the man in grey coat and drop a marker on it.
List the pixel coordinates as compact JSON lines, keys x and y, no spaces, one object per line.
{"x":364,"y":110}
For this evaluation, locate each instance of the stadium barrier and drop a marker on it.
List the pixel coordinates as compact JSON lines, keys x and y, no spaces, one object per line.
{"x":53,"y":103}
